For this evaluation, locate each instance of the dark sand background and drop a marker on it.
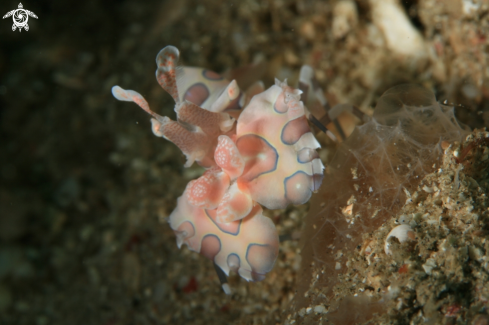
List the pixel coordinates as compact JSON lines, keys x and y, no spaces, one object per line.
{"x":85,"y":187}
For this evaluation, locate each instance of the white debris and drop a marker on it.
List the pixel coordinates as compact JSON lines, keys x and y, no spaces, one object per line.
{"x":429,"y":265}
{"x":400,"y":35}
{"x":320,"y":309}
{"x":403,"y":233}
{"x":470,"y":6}
{"x":226,"y":288}
{"x":345,"y":18}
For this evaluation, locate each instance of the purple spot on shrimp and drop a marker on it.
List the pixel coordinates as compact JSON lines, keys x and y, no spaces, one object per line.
{"x":211,"y":75}
{"x":211,"y":245}
{"x":261,"y":259}
{"x":298,"y":187}
{"x":197,"y":94}
{"x":293,"y":130}
{"x":280,"y":106}
{"x":234,"y":262}
{"x":306,"y":155}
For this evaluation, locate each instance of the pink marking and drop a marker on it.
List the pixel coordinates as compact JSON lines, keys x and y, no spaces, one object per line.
{"x":233,"y":262}
{"x":232,"y":92}
{"x":228,"y":157}
{"x":207,"y":191}
{"x":298,"y":188}
{"x":197,"y":94}
{"x":293,"y":130}
{"x":235,"y":205}
{"x":261,"y":259}
{"x":211,"y":245}
{"x":280,"y":105}
{"x":259,"y":155}
{"x":307,"y":155}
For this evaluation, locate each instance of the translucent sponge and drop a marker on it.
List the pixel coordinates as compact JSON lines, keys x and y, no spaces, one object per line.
{"x":370,"y":178}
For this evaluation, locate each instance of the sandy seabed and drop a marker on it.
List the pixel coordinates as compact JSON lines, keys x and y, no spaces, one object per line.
{"x":86,"y":189}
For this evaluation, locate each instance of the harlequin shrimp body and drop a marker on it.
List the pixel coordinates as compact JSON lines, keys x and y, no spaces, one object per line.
{"x":268,"y":157}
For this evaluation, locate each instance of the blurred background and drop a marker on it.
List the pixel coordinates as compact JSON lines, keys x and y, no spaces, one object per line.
{"x":85,"y":187}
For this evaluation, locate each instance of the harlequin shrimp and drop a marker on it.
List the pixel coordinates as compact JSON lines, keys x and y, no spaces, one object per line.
{"x":258,"y":149}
